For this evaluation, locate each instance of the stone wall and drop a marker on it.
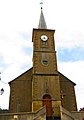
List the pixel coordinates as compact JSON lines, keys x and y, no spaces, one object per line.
{"x":21,"y":93}
{"x":68,"y":89}
{"x":66,"y":115}
{"x":38,"y":115}
{"x":78,"y":115}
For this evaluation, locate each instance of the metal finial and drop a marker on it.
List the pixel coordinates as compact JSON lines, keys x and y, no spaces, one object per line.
{"x":41,"y":5}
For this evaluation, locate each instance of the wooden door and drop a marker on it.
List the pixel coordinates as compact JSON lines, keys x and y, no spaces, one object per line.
{"x":47,"y":101}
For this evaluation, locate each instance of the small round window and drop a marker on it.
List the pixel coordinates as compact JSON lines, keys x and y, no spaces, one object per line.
{"x":45,"y":62}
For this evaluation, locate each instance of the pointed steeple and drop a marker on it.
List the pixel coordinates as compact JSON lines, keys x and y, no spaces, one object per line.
{"x":42,"y":23}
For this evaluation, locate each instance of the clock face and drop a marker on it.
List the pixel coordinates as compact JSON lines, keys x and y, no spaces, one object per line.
{"x":44,"y":38}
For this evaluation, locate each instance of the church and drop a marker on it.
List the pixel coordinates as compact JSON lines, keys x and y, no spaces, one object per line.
{"x":42,"y":85}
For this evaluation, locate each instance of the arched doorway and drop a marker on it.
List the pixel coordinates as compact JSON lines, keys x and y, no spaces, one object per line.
{"x":47,"y":101}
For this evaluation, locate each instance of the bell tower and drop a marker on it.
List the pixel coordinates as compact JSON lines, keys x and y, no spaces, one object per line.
{"x":45,"y":80}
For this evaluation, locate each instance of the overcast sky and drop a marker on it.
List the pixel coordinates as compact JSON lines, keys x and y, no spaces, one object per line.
{"x":19,"y":17}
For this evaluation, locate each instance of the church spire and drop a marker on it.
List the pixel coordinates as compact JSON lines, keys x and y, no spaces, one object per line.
{"x":42,"y":23}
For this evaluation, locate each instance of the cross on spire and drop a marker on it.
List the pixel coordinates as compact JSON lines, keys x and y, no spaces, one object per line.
{"x":41,"y":3}
{"x":42,"y":23}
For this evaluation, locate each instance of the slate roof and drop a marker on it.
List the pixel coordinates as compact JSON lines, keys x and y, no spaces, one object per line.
{"x":42,"y":23}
